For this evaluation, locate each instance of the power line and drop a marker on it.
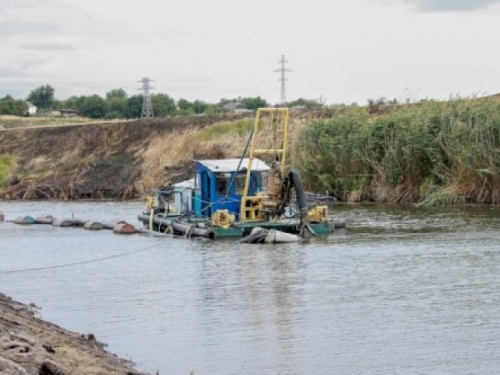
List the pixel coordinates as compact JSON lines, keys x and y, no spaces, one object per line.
{"x":283,"y":79}
{"x":147,"y":108}
{"x":81,"y":262}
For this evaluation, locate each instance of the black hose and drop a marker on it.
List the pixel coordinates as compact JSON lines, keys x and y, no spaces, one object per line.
{"x":296,"y":182}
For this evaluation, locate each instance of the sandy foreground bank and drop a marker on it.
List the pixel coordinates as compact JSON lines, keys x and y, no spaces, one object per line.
{"x":30,"y":345}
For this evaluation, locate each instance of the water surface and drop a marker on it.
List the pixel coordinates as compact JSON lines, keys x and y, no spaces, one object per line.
{"x":402,"y":290}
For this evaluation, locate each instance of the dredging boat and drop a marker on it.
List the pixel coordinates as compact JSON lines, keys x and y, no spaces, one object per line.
{"x":255,"y":198}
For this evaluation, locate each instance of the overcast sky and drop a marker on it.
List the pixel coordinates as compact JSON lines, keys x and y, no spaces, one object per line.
{"x":341,"y":50}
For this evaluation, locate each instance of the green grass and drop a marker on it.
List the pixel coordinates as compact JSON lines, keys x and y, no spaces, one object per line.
{"x":216,"y":131}
{"x":11,"y":122}
{"x":6,"y":165}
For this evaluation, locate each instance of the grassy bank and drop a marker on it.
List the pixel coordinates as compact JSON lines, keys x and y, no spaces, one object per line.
{"x":6,"y":165}
{"x":11,"y":122}
{"x":433,"y":153}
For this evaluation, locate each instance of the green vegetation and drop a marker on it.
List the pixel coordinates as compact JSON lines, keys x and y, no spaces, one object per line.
{"x":432,"y":152}
{"x":6,"y":165}
{"x":307,"y":103}
{"x":254,"y":103}
{"x":225,"y":128}
{"x":187,"y":108}
{"x":94,"y":107}
{"x":11,"y":106}
{"x":42,"y":97}
{"x":10,"y":122}
{"x":116,"y":104}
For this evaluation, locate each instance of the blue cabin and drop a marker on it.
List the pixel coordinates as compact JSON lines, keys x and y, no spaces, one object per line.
{"x":219,"y":184}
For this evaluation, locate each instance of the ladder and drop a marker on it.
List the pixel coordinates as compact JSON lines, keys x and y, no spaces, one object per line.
{"x":250,"y":206}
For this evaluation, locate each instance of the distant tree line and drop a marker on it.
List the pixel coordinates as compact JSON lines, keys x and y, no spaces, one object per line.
{"x":117,"y":104}
{"x":11,"y":106}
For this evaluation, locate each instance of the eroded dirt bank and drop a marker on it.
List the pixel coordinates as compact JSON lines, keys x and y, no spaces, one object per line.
{"x":30,"y":345}
{"x":96,"y":161}
{"x":121,"y":160}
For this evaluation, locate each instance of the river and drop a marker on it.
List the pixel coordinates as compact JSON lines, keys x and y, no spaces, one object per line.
{"x":402,"y":290}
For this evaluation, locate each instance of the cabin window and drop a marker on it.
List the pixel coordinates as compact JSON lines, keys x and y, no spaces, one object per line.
{"x":223,"y":181}
{"x":240,"y":183}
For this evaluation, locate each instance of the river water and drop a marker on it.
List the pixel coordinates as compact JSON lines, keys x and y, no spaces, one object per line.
{"x":400,"y":291}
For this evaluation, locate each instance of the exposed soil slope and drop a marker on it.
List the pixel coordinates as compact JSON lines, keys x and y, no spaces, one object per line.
{"x":98,"y":160}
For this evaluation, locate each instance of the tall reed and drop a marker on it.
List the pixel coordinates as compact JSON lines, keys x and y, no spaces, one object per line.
{"x":433,"y":153}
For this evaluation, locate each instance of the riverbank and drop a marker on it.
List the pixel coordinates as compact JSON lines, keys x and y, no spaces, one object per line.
{"x":120,"y":160}
{"x":100,"y":161}
{"x":30,"y":345}
{"x":428,"y":153}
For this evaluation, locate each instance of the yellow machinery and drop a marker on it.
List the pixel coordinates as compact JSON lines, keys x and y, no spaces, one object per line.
{"x":318,"y":214}
{"x":252,"y":206}
{"x":151,"y":203}
{"x":222,"y":219}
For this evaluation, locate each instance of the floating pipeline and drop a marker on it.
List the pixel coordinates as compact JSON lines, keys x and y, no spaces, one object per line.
{"x":166,"y":227}
{"x":120,"y":227}
{"x":93,"y":225}
{"x":124,"y":228}
{"x":24,"y":220}
{"x":172,"y":224}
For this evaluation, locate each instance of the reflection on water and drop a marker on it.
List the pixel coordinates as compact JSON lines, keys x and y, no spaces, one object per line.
{"x":402,"y":290}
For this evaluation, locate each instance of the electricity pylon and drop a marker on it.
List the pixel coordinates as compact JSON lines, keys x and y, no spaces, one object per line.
{"x":283,"y":79}
{"x":147,"y":108}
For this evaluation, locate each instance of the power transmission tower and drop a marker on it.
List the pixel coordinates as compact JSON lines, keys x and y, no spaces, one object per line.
{"x":283,"y":79}
{"x":147,"y":108}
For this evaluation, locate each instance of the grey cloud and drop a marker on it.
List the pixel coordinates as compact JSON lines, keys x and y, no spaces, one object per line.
{"x":14,"y":4}
{"x":13,"y":27}
{"x":18,"y":69}
{"x":450,"y":5}
{"x":46,"y":46}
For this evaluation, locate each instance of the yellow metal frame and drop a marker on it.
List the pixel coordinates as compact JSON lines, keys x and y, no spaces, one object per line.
{"x":250,"y":213}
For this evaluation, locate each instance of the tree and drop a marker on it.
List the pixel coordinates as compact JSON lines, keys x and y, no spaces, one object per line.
{"x":73,"y":102}
{"x":190,"y":108}
{"x":116,"y":93}
{"x":116,"y":107}
{"x":42,"y":96}
{"x":184,"y":104}
{"x":94,"y":106}
{"x":185,"y":107}
{"x":11,"y":106}
{"x":133,"y":107}
{"x":163,"y":105}
{"x":253,"y":103}
{"x":200,"y":106}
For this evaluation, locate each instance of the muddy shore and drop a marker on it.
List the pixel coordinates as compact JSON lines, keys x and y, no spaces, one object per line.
{"x":30,"y":345}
